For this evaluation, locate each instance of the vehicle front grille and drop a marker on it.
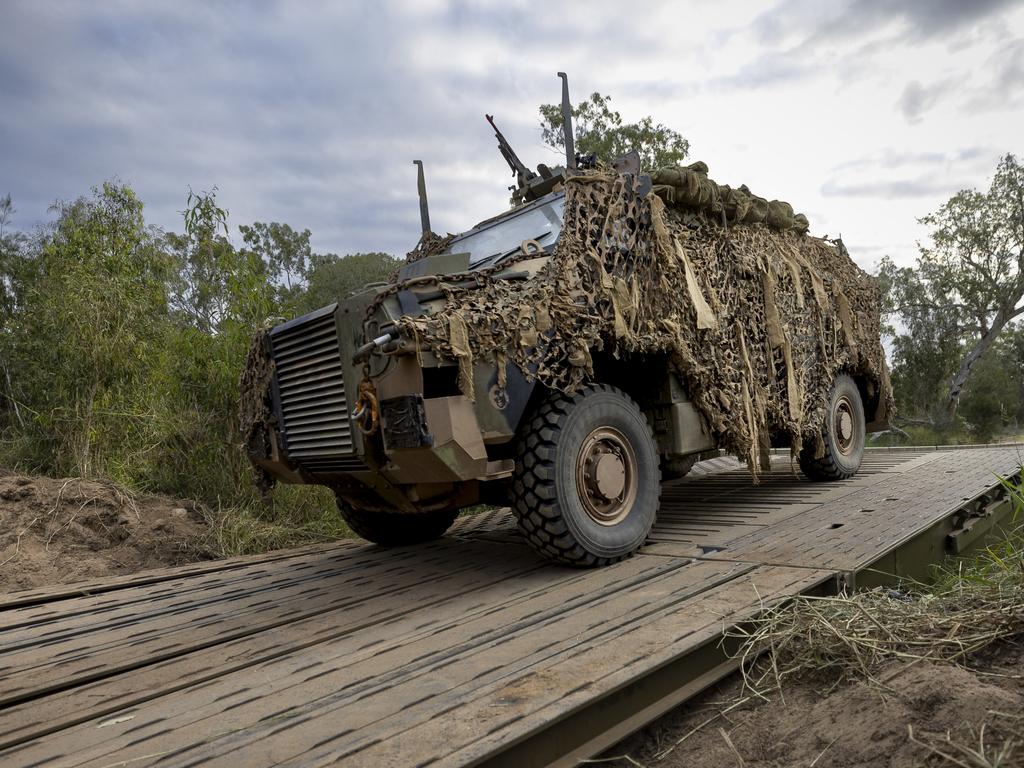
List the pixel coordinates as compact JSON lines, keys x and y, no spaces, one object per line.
{"x":314,"y":410}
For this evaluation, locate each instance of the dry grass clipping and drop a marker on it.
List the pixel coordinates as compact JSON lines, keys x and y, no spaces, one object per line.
{"x":972,"y":605}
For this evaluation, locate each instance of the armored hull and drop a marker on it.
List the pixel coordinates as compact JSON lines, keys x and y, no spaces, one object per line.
{"x":570,"y":353}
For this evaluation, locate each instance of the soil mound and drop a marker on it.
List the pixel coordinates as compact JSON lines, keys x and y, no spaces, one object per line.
{"x":63,"y":530}
{"x":855,"y":725}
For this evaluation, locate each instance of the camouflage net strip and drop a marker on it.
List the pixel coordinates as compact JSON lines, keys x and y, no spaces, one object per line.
{"x":756,"y":321}
{"x":254,"y":414}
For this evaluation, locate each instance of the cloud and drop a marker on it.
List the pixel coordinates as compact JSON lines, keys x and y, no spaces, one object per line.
{"x":892,"y":174}
{"x":767,"y":70}
{"x":311,"y":113}
{"x":1002,"y":86}
{"x":891,"y":190}
{"x":849,"y":19}
{"x":917,"y":99}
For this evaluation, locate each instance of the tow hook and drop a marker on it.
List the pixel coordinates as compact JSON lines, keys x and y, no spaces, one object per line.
{"x":367,"y":410}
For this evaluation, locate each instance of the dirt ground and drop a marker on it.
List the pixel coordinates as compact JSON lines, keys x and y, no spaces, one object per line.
{"x":63,"y":530}
{"x":855,"y":725}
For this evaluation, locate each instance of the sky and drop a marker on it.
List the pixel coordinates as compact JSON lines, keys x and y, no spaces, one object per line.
{"x":864,"y":114}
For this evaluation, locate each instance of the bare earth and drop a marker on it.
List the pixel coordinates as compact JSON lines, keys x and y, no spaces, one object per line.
{"x":62,"y":530}
{"x":855,"y":725}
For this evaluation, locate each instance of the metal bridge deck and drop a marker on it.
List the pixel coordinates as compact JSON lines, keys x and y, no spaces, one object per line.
{"x":463,"y":651}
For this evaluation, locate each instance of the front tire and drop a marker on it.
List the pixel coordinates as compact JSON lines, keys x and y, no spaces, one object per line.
{"x":844,"y":435}
{"x":395,"y":529}
{"x":587,"y":485}
{"x":677,"y":467}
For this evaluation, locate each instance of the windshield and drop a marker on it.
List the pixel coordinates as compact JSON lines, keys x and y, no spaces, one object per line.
{"x":491,"y":241}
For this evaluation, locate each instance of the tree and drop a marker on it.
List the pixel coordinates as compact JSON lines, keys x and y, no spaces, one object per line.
{"x":205,"y":263}
{"x":220,"y":296}
{"x":970,"y":276}
{"x":10,"y":250}
{"x":599,"y":130}
{"x":924,"y":360}
{"x":13,"y":264}
{"x":287,"y":253}
{"x":332,"y":278}
{"x":991,"y":400}
{"x":89,"y":322}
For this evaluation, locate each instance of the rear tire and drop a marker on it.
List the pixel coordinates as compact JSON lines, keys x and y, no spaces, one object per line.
{"x":586,"y":486}
{"x":844,"y":434}
{"x":395,"y":529}
{"x":677,"y":467}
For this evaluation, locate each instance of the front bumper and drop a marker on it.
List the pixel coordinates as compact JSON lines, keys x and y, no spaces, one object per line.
{"x":316,"y":439}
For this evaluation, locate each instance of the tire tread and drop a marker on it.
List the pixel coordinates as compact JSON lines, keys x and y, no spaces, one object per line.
{"x":825,"y":468}
{"x":395,"y":529}
{"x":534,"y":499}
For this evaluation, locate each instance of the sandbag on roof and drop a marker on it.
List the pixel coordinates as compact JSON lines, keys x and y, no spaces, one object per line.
{"x":690,"y":187}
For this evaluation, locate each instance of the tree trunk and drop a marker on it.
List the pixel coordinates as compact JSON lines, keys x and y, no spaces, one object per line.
{"x":1003,"y":316}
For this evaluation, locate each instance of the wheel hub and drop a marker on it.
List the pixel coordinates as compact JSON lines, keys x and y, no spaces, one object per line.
{"x":606,"y":475}
{"x":842,"y":420}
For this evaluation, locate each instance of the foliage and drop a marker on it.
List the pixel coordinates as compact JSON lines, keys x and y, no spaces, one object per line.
{"x":924,"y":360}
{"x":991,"y":402}
{"x":299,"y":515}
{"x":966,"y":288}
{"x":10,"y":255}
{"x":330,"y":278}
{"x":921,"y":434}
{"x":121,"y":348}
{"x":287,"y":253}
{"x":599,"y":130}
{"x":81,"y":344}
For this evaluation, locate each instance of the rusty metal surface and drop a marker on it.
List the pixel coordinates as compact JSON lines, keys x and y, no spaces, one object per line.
{"x":448,"y":653}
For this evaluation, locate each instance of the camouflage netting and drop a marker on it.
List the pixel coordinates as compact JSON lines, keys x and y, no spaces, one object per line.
{"x":756,"y":318}
{"x":253,"y":412}
{"x":429,"y":244}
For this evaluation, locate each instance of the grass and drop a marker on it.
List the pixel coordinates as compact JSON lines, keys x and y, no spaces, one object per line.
{"x":294,"y":515}
{"x":926,"y":436}
{"x":971,"y":605}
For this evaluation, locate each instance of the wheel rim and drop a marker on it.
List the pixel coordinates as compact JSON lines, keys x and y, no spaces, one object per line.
{"x":844,"y":425}
{"x":606,"y":476}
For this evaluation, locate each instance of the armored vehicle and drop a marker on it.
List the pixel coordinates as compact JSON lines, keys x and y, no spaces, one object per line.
{"x":570,"y":354}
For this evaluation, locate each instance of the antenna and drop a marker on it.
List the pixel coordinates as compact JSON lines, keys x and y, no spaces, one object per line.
{"x":570,"y":145}
{"x":421,"y":187}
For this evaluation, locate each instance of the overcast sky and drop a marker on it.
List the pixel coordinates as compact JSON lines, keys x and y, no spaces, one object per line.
{"x":865,"y":114}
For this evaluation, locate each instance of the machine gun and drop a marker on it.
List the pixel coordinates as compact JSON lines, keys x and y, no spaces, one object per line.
{"x":530,"y":186}
{"x":524,"y":175}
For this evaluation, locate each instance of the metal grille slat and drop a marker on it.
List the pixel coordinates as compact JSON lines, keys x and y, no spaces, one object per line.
{"x":309,"y":435}
{"x":301,"y":383}
{"x":301,"y":371}
{"x":303,"y":334}
{"x":313,"y":406}
{"x":326,"y":347}
{"x":302,"y":419}
{"x":292,"y":345}
{"x":318,"y":395}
